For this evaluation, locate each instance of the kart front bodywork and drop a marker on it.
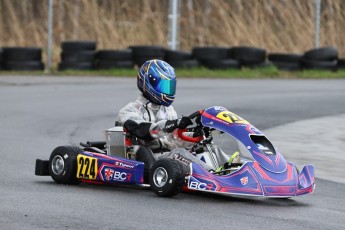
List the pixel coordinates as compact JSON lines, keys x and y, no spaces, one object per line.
{"x":254,"y":180}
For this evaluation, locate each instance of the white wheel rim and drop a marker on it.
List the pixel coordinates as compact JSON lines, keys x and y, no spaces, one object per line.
{"x":160,"y":177}
{"x":58,"y":165}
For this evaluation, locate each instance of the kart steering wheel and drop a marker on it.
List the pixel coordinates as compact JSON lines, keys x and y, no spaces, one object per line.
{"x":188,"y":138}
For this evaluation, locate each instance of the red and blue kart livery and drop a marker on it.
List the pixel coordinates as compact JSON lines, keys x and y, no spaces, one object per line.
{"x":268,"y":175}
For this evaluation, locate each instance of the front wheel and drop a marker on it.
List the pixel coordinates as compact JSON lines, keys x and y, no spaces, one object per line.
{"x":166,"y":177}
{"x":63,"y":165}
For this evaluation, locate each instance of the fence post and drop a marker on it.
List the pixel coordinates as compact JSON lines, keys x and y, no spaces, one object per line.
{"x":173,"y":28}
{"x":317,"y":22}
{"x":50,"y":36}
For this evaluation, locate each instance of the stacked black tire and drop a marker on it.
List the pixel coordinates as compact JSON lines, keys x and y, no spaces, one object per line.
{"x":1,"y":64}
{"x":143,"y":53}
{"x":231,"y":58}
{"x":321,"y":59}
{"x":112,"y":59}
{"x":249,"y":57}
{"x":77,"y":55}
{"x":341,"y":64}
{"x":215,"y":57}
{"x":286,"y":61}
{"x":22,"y":58}
{"x":179,"y":59}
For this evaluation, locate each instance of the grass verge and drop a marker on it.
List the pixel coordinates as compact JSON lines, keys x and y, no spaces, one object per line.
{"x":201,"y":72}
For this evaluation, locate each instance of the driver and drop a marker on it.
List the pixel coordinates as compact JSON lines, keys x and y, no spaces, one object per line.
{"x":152,"y":118}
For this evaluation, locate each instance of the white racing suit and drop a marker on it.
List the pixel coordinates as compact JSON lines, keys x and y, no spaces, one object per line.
{"x":142,"y":110}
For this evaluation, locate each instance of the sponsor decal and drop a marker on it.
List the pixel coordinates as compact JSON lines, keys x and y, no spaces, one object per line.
{"x":122,"y":176}
{"x":219,"y":108}
{"x":117,"y":163}
{"x":109,"y":173}
{"x":200,"y":185}
{"x":182,"y":159}
{"x":244,"y":180}
{"x":209,"y":123}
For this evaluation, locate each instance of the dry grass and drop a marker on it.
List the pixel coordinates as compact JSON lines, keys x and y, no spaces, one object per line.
{"x":277,"y":25}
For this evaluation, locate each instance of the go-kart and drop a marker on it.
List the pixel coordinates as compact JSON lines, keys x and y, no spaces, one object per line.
{"x":122,"y":160}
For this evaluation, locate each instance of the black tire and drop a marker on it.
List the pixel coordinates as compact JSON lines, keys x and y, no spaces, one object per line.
{"x":23,"y":65}
{"x":171,"y":177}
{"x":221,"y":64}
{"x":148,"y":51}
{"x":72,"y":46}
{"x":341,"y":64}
{"x":289,"y":66}
{"x":75,"y":66}
{"x":115,"y":55}
{"x":248,"y":56}
{"x":171,"y":56}
{"x":1,"y":54}
{"x":114,"y":64}
{"x":321,"y":54}
{"x":63,"y":165}
{"x":82,"y":56}
{"x":288,"y":58}
{"x":260,"y":65}
{"x":140,"y":60}
{"x":22,"y":54}
{"x":320,"y":65}
{"x":184,"y":63}
{"x":204,"y":53}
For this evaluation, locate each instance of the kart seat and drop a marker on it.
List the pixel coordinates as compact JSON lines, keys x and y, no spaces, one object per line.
{"x":145,"y":155}
{"x":94,"y":150}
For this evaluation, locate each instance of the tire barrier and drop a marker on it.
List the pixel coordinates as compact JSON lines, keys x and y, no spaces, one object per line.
{"x":143,"y":53}
{"x":248,"y":56}
{"x":320,"y":65}
{"x":341,"y":64}
{"x":179,"y":59}
{"x":325,"y":58}
{"x":290,"y":62}
{"x":215,"y":57}
{"x":77,"y":55}
{"x":82,"y":55}
{"x":110,"y":59}
{"x":1,"y":65}
{"x":22,"y":58}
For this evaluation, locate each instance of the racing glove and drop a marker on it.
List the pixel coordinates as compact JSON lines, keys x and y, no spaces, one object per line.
{"x":182,"y":123}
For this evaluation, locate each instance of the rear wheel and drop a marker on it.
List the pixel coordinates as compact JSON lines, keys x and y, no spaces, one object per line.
{"x":63,"y":165}
{"x":166,"y":177}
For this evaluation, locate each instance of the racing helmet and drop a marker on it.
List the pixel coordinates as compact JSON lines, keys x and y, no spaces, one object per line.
{"x":157,"y":81}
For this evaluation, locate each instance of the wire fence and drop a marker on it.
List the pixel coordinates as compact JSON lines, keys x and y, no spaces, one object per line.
{"x":276,"y":25}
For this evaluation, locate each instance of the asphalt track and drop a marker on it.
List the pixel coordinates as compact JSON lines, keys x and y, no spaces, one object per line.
{"x":40,"y":113}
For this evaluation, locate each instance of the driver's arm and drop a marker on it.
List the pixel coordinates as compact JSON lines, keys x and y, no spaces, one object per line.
{"x":149,"y":130}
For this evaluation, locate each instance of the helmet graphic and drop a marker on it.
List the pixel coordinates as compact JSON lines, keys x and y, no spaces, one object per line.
{"x":157,"y":81}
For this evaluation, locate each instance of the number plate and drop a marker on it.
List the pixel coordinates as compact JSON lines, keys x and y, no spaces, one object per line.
{"x":87,"y":167}
{"x":231,"y":118}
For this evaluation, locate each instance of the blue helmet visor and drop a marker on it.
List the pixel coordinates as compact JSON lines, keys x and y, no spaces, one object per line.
{"x":167,"y":87}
